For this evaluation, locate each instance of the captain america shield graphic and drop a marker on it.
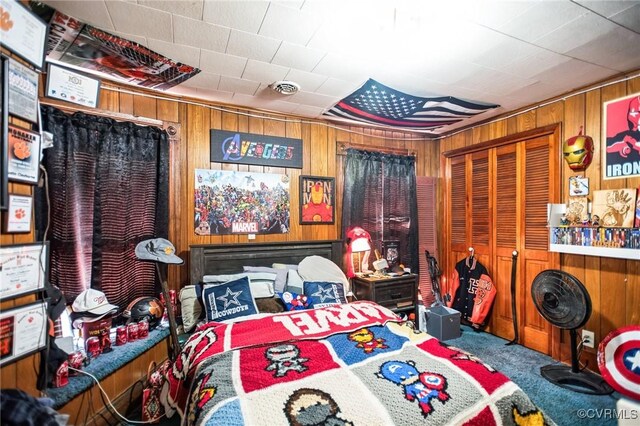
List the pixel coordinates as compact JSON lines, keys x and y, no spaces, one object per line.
{"x":619,"y":360}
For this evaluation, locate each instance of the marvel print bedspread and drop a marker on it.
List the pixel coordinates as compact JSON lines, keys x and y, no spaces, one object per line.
{"x":352,"y":364}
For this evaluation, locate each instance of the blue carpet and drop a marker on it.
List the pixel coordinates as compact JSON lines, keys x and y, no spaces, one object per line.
{"x":522,"y":365}
{"x":104,"y":365}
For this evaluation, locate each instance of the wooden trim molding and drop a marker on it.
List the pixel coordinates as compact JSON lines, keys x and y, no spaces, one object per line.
{"x":143,"y":121}
{"x":506,"y":140}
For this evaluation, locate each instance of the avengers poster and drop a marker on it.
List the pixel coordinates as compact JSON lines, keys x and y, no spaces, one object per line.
{"x":621,"y":156}
{"x":230,"y":202}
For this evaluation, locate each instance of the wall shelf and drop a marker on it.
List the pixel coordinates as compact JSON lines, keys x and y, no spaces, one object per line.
{"x":555,"y":212}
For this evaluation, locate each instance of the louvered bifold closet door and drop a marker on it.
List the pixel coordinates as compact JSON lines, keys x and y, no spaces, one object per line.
{"x":481,"y":208}
{"x":505,"y":214}
{"x":540,"y":168}
{"x":427,"y":233}
{"x":458,"y":215}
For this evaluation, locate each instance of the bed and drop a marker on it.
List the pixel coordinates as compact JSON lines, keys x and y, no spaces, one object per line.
{"x":344,"y":364}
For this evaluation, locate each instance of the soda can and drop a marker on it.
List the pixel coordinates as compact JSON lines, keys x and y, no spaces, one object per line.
{"x":62,"y":375}
{"x":93,"y":347}
{"x":121,"y":335}
{"x":76,"y":359}
{"x":132,"y":331}
{"x":143,"y":329}
{"x":105,"y":341}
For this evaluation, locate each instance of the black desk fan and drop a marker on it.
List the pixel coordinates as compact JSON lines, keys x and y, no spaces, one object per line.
{"x":564,"y":301}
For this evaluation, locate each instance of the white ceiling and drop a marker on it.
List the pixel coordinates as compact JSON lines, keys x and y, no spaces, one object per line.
{"x":511,"y":53}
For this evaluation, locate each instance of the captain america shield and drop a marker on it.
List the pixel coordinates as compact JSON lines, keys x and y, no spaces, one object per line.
{"x":619,"y":360}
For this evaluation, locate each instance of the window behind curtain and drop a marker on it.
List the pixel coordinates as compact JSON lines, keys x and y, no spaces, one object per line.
{"x":108,"y":190}
{"x":380,"y":196}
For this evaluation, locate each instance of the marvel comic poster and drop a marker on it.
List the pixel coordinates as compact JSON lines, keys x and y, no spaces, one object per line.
{"x":230,"y":202}
{"x":84,"y":47}
{"x":621,"y":153}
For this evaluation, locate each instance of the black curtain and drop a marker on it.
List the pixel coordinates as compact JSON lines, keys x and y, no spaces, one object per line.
{"x":108,"y":190}
{"x":380,"y":196}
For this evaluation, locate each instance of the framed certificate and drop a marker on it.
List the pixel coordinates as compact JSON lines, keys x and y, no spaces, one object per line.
{"x":24,"y":269}
{"x":19,"y":213}
{"x":72,"y":86}
{"x":23,"y":91}
{"x":23,"y":331}
{"x":27,"y":34}
{"x":23,"y":151}
{"x":4,"y":128}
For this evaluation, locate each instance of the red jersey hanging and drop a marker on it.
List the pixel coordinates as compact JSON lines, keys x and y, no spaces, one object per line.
{"x":472,"y":291}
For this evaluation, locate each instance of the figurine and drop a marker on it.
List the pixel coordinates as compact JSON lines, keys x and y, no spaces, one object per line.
{"x":595,"y":220}
{"x":563,"y":220}
{"x":585,"y":220}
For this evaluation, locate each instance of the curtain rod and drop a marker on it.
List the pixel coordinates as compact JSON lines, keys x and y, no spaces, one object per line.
{"x":103,"y":113}
{"x":344,"y":146}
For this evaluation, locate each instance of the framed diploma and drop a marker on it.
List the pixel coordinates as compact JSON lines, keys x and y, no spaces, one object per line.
{"x":23,"y":153}
{"x":26,"y":35}
{"x":23,"y":331}
{"x":72,"y":86}
{"x":23,"y":91}
{"x":23,"y":269}
{"x":19,"y":213}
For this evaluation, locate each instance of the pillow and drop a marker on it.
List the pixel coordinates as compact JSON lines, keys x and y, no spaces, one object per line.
{"x":284,"y":266}
{"x":230,"y":300}
{"x":272,"y":305}
{"x":190,"y":307}
{"x":281,"y":275}
{"x":294,"y":301}
{"x":318,"y":268}
{"x":294,"y":281}
{"x":323,"y":293}
{"x":262,"y":283}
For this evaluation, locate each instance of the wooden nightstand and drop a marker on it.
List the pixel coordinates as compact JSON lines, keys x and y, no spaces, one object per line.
{"x":400,"y":294}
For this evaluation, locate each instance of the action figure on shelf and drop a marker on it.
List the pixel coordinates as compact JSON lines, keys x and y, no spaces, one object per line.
{"x":595,"y":220}
{"x":563,"y":220}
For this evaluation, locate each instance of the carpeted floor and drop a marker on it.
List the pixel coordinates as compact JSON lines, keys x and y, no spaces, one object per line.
{"x":522,"y":365}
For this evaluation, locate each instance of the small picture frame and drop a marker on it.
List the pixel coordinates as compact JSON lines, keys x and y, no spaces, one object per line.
{"x":578,"y":186}
{"x":27,"y":34}
{"x":23,"y":331}
{"x":72,"y":86}
{"x":24,"y":269}
{"x":19,"y":213}
{"x":317,"y":200}
{"x":23,"y":92}
{"x":23,"y":152}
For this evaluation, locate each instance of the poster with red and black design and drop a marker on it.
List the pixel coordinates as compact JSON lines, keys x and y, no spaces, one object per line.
{"x":621,"y":151}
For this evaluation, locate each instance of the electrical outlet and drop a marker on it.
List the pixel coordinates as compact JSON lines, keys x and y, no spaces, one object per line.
{"x":588,"y":338}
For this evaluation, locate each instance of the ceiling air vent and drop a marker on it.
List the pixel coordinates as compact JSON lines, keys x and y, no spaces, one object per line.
{"x":285,"y":87}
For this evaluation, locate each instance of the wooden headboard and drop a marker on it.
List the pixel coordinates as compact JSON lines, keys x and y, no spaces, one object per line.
{"x":213,"y":259}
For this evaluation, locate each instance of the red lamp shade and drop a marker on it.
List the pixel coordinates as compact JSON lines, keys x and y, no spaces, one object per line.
{"x":357,"y":253}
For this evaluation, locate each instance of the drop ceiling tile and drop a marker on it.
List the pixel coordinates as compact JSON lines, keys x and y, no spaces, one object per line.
{"x":314,"y":99}
{"x":534,"y":64}
{"x":288,"y":24}
{"x":337,"y":88}
{"x":140,"y":20}
{"x":203,"y":80}
{"x":230,"y":84}
{"x":618,"y":50}
{"x":241,"y":15}
{"x":490,"y":13}
{"x":200,"y":34}
{"x":215,"y":95}
{"x":296,"y":56}
{"x":629,"y":18}
{"x":505,"y":52}
{"x":223,"y":64}
{"x":94,"y":12}
{"x":308,"y":111}
{"x":541,"y":19}
{"x":265,"y":103}
{"x":177,"y":52}
{"x":608,"y":8}
{"x":309,"y":82}
{"x":252,"y":46}
{"x":343,"y":67}
{"x":264,"y":72}
{"x":571,"y":74}
{"x":575,"y":33}
{"x":189,"y":8}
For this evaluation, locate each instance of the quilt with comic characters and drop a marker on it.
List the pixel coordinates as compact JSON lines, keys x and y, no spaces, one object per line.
{"x":351,"y":364}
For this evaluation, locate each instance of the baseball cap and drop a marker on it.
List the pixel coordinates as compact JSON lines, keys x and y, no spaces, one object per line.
{"x":159,"y":250}
{"x":93,"y":302}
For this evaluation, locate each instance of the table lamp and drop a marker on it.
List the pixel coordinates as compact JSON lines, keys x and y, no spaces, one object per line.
{"x":358,"y":250}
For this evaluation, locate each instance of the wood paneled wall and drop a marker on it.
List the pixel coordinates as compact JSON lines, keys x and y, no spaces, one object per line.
{"x":613,"y":284}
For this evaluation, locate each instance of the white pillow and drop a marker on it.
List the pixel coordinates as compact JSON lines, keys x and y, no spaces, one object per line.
{"x":262,"y":283}
{"x":318,"y":268}
{"x":294,"y":282}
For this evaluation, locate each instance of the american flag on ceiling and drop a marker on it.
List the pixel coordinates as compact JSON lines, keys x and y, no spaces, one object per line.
{"x":376,"y":103}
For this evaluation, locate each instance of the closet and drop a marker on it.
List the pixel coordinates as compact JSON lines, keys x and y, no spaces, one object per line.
{"x":496,"y":196}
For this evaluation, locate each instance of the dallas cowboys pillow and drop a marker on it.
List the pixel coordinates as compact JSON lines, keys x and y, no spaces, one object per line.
{"x":230,"y":300}
{"x":323,"y":293}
